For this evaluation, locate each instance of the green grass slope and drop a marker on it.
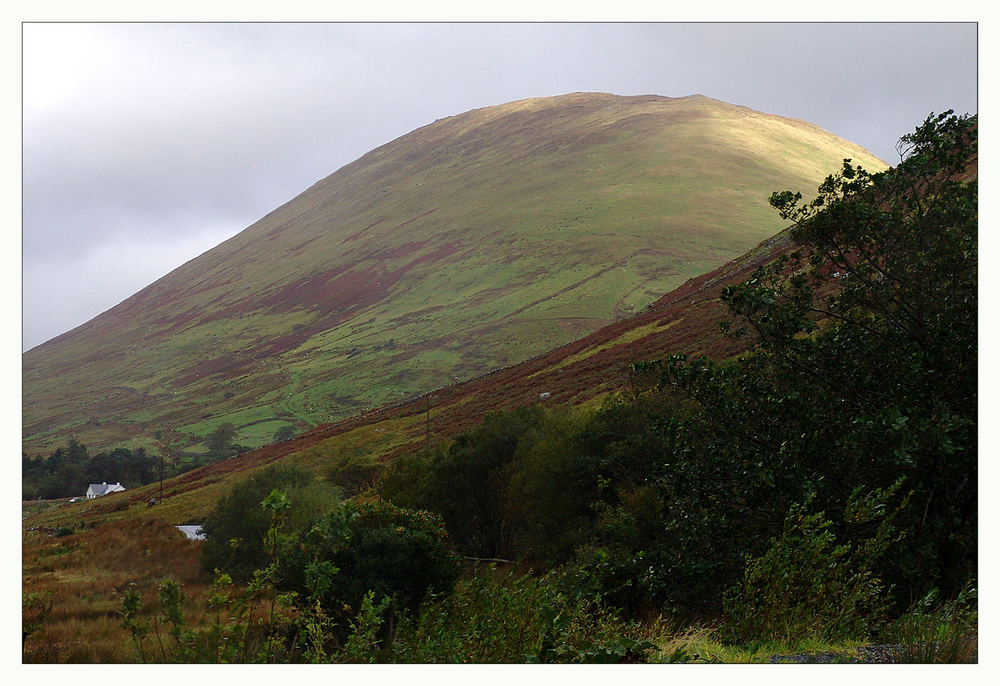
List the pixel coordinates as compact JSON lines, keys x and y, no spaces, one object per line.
{"x":470,"y":244}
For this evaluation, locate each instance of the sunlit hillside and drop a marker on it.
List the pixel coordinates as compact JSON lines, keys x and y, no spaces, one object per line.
{"x":468,"y":245}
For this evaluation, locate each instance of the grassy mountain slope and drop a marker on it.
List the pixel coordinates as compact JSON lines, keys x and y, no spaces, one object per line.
{"x":467,"y":245}
{"x":581,"y":372}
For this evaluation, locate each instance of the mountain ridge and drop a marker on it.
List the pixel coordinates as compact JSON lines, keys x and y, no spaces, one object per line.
{"x":464,"y":245}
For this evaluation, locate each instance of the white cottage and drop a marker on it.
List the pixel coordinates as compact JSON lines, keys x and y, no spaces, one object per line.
{"x":103,"y":488}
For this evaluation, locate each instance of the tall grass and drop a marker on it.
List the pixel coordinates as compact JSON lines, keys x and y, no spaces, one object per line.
{"x":84,"y":574}
{"x":936,"y":632}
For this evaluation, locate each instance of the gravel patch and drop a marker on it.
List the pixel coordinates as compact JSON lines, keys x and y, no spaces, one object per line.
{"x":870,"y":655}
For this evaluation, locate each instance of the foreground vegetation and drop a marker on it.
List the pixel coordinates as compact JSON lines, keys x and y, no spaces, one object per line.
{"x":816,"y":494}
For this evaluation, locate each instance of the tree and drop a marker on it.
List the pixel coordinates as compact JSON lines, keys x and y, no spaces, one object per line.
{"x":809,"y":585}
{"x":467,"y":484}
{"x":68,"y":479}
{"x":372,"y":547}
{"x":863,"y":370}
{"x":284,"y":433}
{"x":354,"y":473}
{"x":897,"y":365}
{"x":221,"y":439}
{"x":235,"y":529}
{"x":76,"y":451}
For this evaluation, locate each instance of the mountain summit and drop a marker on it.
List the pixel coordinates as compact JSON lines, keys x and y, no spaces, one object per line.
{"x":467,"y":245}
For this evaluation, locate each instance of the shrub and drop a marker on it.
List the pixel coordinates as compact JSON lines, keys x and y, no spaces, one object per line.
{"x":284,"y":433}
{"x":516,"y":619}
{"x":375,"y":546}
{"x":548,"y":495}
{"x":221,"y":439}
{"x":467,"y":485}
{"x":404,"y":480}
{"x":236,"y":527}
{"x":355,"y":473}
{"x":807,"y":585}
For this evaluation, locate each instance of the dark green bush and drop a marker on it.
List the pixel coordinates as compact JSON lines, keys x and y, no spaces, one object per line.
{"x":354,"y":473}
{"x":516,"y":619}
{"x":886,"y":387}
{"x":809,"y":584}
{"x":468,"y":485}
{"x":236,"y":527}
{"x":404,"y":480}
{"x":394,"y":552}
{"x":546,"y":495}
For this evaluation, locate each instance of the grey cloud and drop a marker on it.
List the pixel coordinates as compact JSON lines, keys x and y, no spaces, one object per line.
{"x":157,"y":133}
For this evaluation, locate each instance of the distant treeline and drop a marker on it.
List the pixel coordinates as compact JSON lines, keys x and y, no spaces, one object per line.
{"x":70,"y":469}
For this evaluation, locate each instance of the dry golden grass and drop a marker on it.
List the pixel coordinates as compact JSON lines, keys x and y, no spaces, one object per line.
{"x":84,"y":574}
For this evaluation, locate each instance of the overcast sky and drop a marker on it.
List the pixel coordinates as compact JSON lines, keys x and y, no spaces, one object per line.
{"x":145,"y":145}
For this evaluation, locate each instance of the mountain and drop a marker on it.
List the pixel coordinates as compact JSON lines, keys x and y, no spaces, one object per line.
{"x":466,"y":246}
{"x":581,"y":372}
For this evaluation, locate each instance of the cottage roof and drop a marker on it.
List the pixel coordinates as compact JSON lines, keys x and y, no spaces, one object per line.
{"x":105,"y":488}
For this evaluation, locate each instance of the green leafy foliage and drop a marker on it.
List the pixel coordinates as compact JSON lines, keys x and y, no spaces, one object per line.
{"x":863,"y":371}
{"x":220,"y":440}
{"x":355,"y":473}
{"x":516,"y":619}
{"x":813,"y":582}
{"x":284,"y":433}
{"x":533,"y":482}
{"x":890,"y":387}
{"x":238,"y":632}
{"x":546,"y":496}
{"x":467,"y":483}
{"x":936,"y":632}
{"x":364,"y":643}
{"x":235,"y":530}
{"x":69,"y":469}
{"x":376,"y":546}
{"x":487,"y":618}
{"x":130,"y":607}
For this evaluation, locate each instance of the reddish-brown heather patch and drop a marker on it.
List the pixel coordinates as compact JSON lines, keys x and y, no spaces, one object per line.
{"x":300,"y":249}
{"x":307,"y":291}
{"x":334,"y":290}
{"x":225,"y":365}
{"x":404,"y":250}
{"x":355,"y":236}
{"x":438,"y":254}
